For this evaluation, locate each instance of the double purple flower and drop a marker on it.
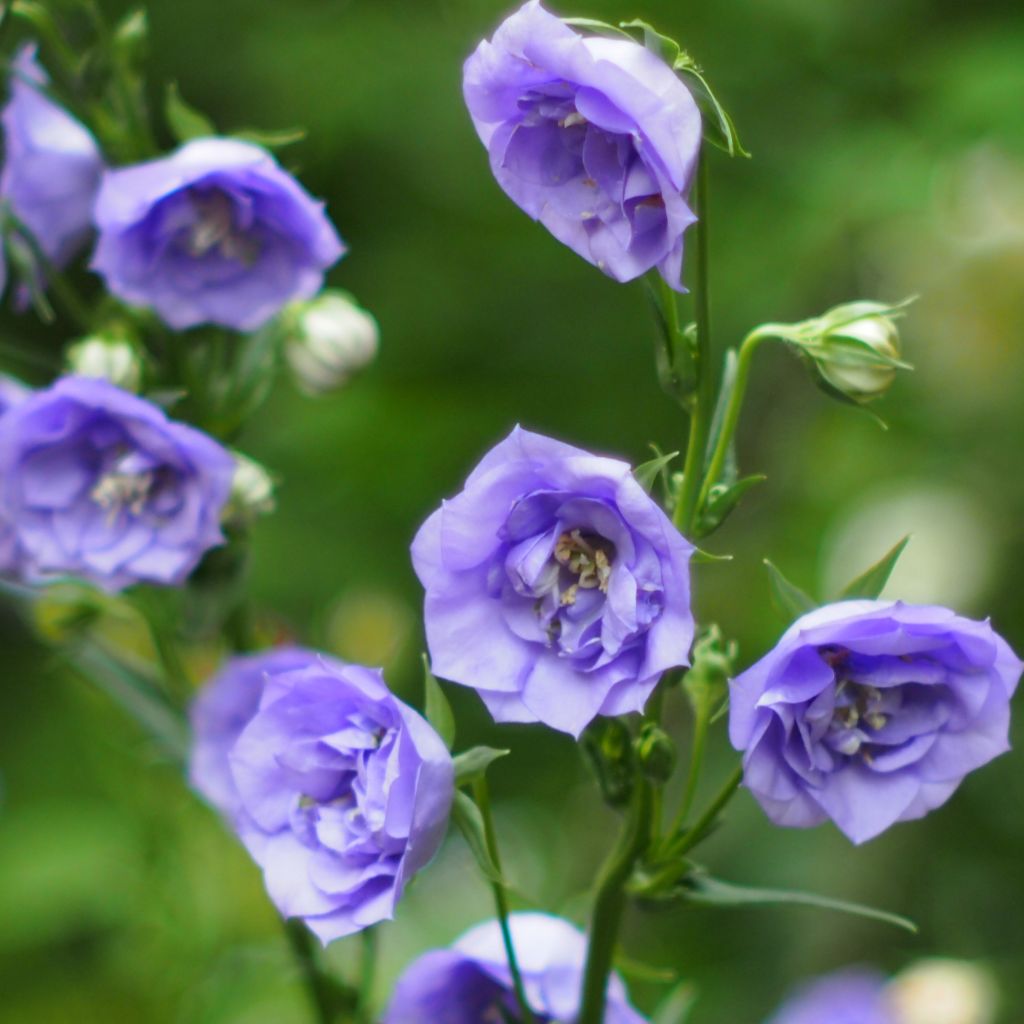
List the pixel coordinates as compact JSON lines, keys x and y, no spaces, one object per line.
{"x":99,"y":484}
{"x":217,"y":232}
{"x":339,"y":791}
{"x":52,"y":165}
{"x":871,"y":712}
{"x":555,"y":586}
{"x":470,"y":982}
{"x":596,"y":138}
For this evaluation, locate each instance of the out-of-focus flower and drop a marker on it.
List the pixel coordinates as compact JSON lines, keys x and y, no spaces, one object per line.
{"x":99,"y":484}
{"x":339,"y":791}
{"x":943,"y":991}
{"x":871,"y":712}
{"x":853,"y":996}
{"x":107,"y":357}
{"x":252,"y":492}
{"x":328,"y":340}
{"x":52,"y":166}
{"x":12,"y":392}
{"x":217,"y":232}
{"x":470,"y":982}
{"x":596,"y":138}
{"x":555,"y":586}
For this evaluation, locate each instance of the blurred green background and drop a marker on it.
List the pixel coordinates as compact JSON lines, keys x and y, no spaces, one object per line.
{"x":888,"y":143}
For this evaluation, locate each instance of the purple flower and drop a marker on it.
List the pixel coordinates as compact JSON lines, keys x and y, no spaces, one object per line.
{"x":100,"y":484}
{"x":596,"y":138}
{"x":52,"y":166}
{"x":12,"y":392}
{"x":215,"y":233}
{"x":853,"y":996}
{"x":470,"y":982}
{"x":555,"y":586}
{"x":871,"y":712}
{"x":339,"y":790}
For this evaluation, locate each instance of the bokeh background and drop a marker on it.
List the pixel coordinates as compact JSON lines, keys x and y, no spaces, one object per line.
{"x":888,"y":143}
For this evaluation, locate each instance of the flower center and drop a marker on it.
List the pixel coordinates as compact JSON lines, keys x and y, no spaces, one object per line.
{"x":860,"y":711}
{"x":587,"y":559}
{"x":214,"y":228}
{"x":118,"y":490}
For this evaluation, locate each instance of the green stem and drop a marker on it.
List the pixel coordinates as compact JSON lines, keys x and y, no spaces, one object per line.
{"x":482,"y":796}
{"x":732,"y":413}
{"x":609,"y":905}
{"x":704,"y":400}
{"x":367,"y":969}
{"x":702,"y":716}
{"x":319,"y":986}
{"x":694,"y":835}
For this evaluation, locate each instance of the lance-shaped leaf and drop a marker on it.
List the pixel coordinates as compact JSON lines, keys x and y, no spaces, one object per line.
{"x":788,"y":597}
{"x":701,"y":888}
{"x":676,"y":1006}
{"x":436,"y":708}
{"x":664,"y":46}
{"x":647,"y":473}
{"x":470,"y":822}
{"x":718,"y":126}
{"x":674,"y":354}
{"x":184,"y":121}
{"x":270,"y":139}
{"x":871,"y":582}
{"x":472,"y":764}
{"x":602,"y":28}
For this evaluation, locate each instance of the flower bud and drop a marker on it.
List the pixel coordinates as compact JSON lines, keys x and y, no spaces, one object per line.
{"x":607,"y":746}
{"x":943,"y":991}
{"x":328,"y":340}
{"x":656,"y":752}
{"x":108,"y":357}
{"x":252,"y":492}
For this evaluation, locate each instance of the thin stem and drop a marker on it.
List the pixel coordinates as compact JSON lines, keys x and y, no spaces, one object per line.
{"x":694,"y":835}
{"x":480,"y":792}
{"x":732,"y":413}
{"x":367,"y":969}
{"x":704,"y":400}
{"x":702,"y":716}
{"x":609,"y":904}
{"x":319,"y":986}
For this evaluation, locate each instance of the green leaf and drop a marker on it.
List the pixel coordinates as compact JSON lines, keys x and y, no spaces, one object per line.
{"x":701,"y":888}
{"x":722,"y":500}
{"x":271,"y":139}
{"x":468,"y":818}
{"x":600,"y":27}
{"x":871,"y":582}
{"x":661,"y":45}
{"x":674,"y":354}
{"x":730,"y":472}
{"x":471,"y":764}
{"x":436,"y":708}
{"x":184,"y":121}
{"x":789,"y":598}
{"x":718,"y":126}
{"x":637,"y":970}
{"x":702,"y":557}
{"x":676,"y":1006}
{"x":647,"y":473}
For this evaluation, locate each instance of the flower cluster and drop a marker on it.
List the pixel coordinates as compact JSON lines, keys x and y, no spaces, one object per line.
{"x":470,"y":982}
{"x":555,"y":585}
{"x":98,"y":483}
{"x":339,"y":791}
{"x":871,"y":712}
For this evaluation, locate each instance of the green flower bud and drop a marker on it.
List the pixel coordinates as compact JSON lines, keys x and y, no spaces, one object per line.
{"x":252,"y":492}
{"x":858,"y":352}
{"x":328,"y":340}
{"x":608,"y":747}
{"x":108,"y":357}
{"x":656,"y":752}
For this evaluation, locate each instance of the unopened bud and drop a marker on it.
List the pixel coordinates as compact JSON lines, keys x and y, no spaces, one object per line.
{"x":943,"y":991}
{"x":252,"y":492}
{"x":608,"y":746}
{"x":328,"y":340}
{"x":656,"y":752}
{"x":108,"y":357}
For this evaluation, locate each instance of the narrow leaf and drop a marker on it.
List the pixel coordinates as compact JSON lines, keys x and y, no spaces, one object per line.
{"x":600,"y":27}
{"x":722,"y":501}
{"x":437,"y":710}
{"x":467,"y":817}
{"x":790,"y":599}
{"x":719,"y":128}
{"x":271,"y":139}
{"x":871,"y":582}
{"x":676,"y":1006}
{"x":725,"y":392}
{"x":184,"y":121}
{"x":647,"y":473}
{"x":660,"y":45}
{"x":702,"y":557}
{"x":701,"y":888}
{"x":471,"y":764}
{"x":637,"y":970}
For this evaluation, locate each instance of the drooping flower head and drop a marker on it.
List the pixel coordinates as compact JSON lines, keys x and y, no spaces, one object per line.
{"x":470,"y":983}
{"x":596,"y":138}
{"x":555,"y":586}
{"x":871,"y":712}
{"x":52,"y":165}
{"x":217,"y":232}
{"x":339,"y":791}
{"x":852,"y":996}
{"x":98,"y":483}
